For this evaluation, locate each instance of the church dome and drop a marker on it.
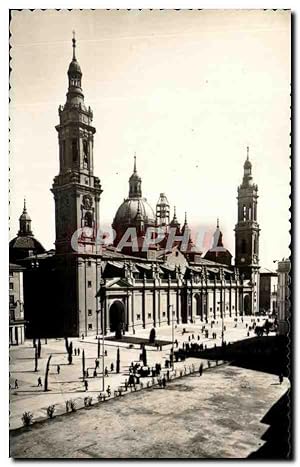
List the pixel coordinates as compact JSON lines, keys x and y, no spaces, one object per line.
{"x":23,"y":246}
{"x":127,"y":213}
{"x":74,"y":67}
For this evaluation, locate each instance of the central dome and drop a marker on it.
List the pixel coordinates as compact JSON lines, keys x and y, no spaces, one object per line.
{"x":129,"y":210}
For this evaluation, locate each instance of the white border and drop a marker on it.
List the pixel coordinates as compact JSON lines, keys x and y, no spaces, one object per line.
{"x":112,"y":4}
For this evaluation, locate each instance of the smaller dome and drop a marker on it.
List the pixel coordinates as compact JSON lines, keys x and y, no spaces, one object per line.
{"x":24,"y":216}
{"x":74,"y":67}
{"x":247,"y":164}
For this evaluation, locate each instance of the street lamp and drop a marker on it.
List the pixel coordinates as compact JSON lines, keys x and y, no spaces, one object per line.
{"x":171,"y":307}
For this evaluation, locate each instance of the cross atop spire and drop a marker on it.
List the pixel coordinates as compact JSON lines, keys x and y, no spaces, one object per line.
{"x":24,"y":208}
{"x":134,"y":164}
{"x":74,"y":45}
{"x":247,"y":153}
{"x":218,"y":223}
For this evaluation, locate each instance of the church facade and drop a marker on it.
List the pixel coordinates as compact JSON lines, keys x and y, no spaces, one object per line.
{"x":93,"y":287}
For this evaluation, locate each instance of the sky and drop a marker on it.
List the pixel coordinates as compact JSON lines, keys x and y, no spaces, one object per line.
{"x":187,"y":91}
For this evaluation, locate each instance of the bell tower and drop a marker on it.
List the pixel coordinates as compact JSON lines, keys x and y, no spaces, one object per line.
{"x":247,"y":234}
{"x":76,"y":190}
{"x":76,"y":193}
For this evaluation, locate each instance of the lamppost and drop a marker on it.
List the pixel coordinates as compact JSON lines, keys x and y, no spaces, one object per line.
{"x":242,"y":286}
{"x":171,"y":307}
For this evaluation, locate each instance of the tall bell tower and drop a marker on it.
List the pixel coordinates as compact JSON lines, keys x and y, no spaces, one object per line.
{"x":247,"y":235}
{"x":76,"y":193}
{"x":76,"y":190}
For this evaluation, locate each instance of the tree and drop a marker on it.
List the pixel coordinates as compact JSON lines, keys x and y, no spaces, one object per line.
{"x":39,"y":348}
{"x":83,"y":364}
{"x":36,"y":359}
{"x":118,"y":361}
{"x":47,"y":373}
{"x":152,"y":336}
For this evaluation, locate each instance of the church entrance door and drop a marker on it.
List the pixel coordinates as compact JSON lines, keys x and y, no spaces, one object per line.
{"x":117,"y":318}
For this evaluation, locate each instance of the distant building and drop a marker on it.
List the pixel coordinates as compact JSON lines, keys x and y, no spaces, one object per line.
{"x":283,"y":270}
{"x":16,"y":302}
{"x":268,"y":291}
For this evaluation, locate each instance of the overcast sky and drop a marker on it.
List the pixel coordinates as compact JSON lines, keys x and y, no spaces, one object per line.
{"x":186,"y":90}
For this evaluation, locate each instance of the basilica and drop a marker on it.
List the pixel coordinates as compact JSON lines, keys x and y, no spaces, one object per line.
{"x":96,"y":287}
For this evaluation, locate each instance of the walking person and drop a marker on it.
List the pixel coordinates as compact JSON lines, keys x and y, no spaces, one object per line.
{"x":112,"y":367}
{"x":95,"y":373}
{"x":97,"y":363}
{"x":78,"y":352}
{"x":280,"y":378}
{"x":164,"y":382}
{"x":201,"y":369}
{"x":58,"y":369}
{"x":87,"y":373}
{"x":86,"y":385}
{"x":40,"y":382}
{"x":106,"y":371}
{"x":16,"y":384}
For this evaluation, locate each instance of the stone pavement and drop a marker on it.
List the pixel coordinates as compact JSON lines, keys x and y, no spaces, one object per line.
{"x":69,"y":385}
{"x":217,"y":415}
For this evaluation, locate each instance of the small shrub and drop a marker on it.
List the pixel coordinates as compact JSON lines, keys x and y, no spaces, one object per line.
{"x":88,"y":401}
{"x":27,"y":418}
{"x":72,"y":405}
{"x":50,"y":411}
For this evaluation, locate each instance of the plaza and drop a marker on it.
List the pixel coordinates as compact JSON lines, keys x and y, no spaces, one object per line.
{"x":68,"y":384}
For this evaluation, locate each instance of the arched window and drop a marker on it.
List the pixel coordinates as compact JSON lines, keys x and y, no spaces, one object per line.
{"x":74,"y":150}
{"x":255,"y":246}
{"x":88,"y":219}
{"x":250,"y":212}
{"x":244,"y":213}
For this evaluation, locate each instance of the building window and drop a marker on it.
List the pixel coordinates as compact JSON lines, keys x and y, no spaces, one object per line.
{"x":164,"y":314}
{"x":11,"y":286}
{"x":89,"y":284}
{"x":243,"y":246}
{"x":89,"y":263}
{"x":90,"y":312}
{"x":90,"y":326}
{"x":138,"y":317}
{"x":149,"y":315}
{"x":217,"y":308}
{"x":11,"y":299}
{"x":210,"y":308}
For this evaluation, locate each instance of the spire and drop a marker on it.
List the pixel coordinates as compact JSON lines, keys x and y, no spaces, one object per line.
{"x":185,"y":218}
{"x":247,"y":179}
{"x":218,"y":223}
{"x":217,"y":237}
{"x":74,"y":45}
{"x":162,"y":210}
{"x":135,"y":183}
{"x":24,"y":222}
{"x":247,"y":153}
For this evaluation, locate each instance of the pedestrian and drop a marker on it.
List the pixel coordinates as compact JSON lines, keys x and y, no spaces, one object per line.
{"x":105,"y":353}
{"x":168,"y":375}
{"x":106,"y":371}
{"x":16,"y":384}
{"x":82,"y":337}
{"x":97,"y":363}
{"x":95,"y":373}
{"x":78,"y":352}
{"x":40,"y":382}
{"x":75,"y":351}
{"x":126,"y":384}
{"x":280,"y":378}
{"x":164,"y":382}
{"x":58,"y":369}
{"x":86,"y":385}
{"x":208,"y":364}
{"x":112,"y":367}
{"x":87,"y":373}
{"x":108,"y":391}
{"x":201,"y":369}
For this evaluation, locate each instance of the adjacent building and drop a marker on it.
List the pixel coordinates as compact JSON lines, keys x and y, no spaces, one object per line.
{"x":268,"y":292}
{"x":16,"y":305}
{"x":283,"y":270}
